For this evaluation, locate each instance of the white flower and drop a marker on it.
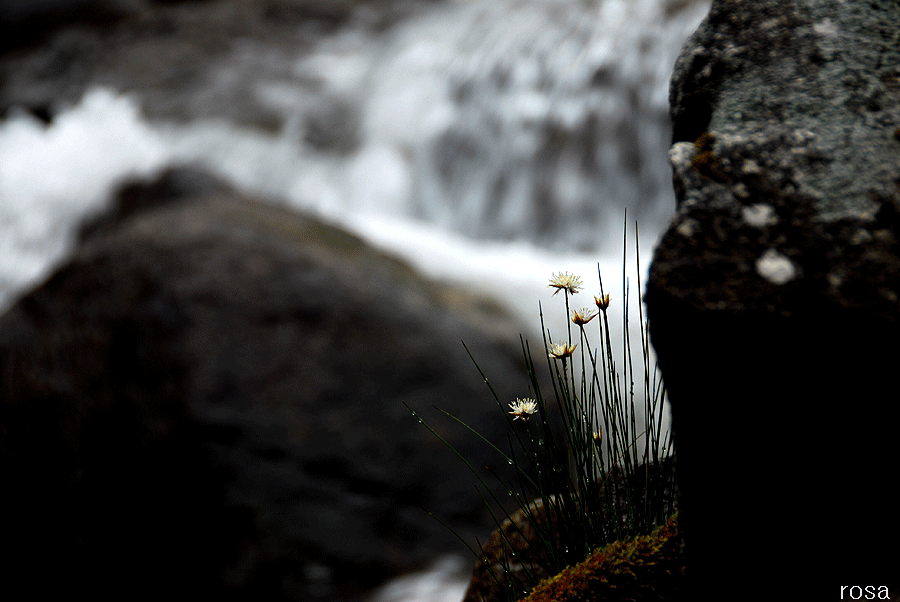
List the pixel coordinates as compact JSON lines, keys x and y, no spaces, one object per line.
{"x":583,"y":316}
{"x":561,"y":351}
{"x":565,"y":281}
{"x":602,"y":302}
{"x":523,"y":408}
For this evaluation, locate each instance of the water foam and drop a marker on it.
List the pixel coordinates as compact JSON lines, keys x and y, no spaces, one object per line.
{"x":52,"y":177}
{"x":444,"y":581}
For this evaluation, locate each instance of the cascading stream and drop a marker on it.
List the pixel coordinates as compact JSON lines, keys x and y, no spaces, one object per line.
{"x":535,"y":120}
{"x":522,"y":124}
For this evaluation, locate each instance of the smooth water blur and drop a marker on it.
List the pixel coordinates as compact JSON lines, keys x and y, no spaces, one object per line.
{"x":533,"y":124}
{"x":444,"y":581}
{"x":516,"y":133}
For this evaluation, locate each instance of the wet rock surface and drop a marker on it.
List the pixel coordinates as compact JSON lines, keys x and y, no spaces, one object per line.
{"x":209,"y":395}
{"x":774,"y":293}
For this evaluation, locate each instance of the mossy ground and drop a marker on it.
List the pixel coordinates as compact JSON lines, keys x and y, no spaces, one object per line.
{"x":650,"y":567}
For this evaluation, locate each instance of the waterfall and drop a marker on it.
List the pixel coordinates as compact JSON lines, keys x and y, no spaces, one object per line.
{"x":540,"y":120}
{"x":535,"y":122}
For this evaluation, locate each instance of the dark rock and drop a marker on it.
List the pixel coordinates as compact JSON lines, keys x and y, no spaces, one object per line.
{"x":334,"y":128}
{"x":183,"y":60}
{"x":773,"y":296}
{"x":173,"y":185}
{"x":517,"y":555}
{"x":209,"y":396}
{"x":27,"y":22}
{"x":514,"y":556}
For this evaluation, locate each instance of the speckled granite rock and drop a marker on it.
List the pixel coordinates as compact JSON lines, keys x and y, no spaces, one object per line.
{"x":773,"y":296}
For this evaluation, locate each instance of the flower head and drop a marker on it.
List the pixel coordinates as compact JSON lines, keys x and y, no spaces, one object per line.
{"x":583,"y":316}
{"x":561,"y":351}
{"x":602,"y":302}
{"x":523,"y":408}
{"x":565,"y":281}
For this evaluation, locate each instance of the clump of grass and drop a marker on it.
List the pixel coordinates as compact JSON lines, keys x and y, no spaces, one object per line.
{"x":591,"y":450}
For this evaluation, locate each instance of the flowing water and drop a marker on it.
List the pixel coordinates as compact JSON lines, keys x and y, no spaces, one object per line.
{"x":487,"y":142}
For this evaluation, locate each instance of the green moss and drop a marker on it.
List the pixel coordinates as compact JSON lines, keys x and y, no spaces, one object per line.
{"x":650,"y":567}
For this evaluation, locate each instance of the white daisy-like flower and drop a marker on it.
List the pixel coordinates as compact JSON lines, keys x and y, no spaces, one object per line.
{"x":561,"y":351}
{"x":523,"y":408}
{"x":565,"y":281}
{"x":583,"y":316}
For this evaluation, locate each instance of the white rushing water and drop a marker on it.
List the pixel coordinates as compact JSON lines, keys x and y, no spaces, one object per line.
{"x":487,"y":142}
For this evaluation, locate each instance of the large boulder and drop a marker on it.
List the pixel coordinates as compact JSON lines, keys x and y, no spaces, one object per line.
{"x":773,"y":295}
{"x":210,"y":395}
